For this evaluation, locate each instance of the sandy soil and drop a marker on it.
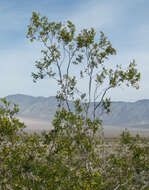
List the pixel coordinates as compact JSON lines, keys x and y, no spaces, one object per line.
{"x":35,"y":125}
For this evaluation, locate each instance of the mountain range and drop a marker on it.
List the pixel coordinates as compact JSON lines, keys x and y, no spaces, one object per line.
{"x":123,"y":114}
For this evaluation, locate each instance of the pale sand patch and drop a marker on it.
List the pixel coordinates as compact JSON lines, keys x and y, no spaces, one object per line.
{"x":37,"y":125}
{"x":111,"y":131}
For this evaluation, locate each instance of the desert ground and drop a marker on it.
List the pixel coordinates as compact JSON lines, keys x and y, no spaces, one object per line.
{"x":35,"y":125}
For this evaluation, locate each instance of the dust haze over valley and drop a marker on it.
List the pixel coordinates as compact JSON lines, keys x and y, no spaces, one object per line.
{"x":37,"y":113}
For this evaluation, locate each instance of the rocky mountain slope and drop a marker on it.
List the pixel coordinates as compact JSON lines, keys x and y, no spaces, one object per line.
{"x":123,"y":114}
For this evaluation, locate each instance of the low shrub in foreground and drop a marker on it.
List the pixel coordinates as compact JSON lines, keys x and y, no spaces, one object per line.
{"x":58,"y":162}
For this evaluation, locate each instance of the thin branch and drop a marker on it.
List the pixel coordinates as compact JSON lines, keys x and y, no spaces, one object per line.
{"x":101,"y":101}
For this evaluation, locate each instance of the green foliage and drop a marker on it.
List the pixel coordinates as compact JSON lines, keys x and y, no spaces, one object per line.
{"x":9,"y":125}
{"x":73,"y":155}
{"x":65,"y":49}
{"x":64,"y":160}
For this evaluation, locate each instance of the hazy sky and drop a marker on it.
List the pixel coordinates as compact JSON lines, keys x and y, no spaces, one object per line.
{"x":125,"y":23}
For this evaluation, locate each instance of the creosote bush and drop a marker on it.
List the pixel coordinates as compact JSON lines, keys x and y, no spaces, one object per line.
{"x":73,"y":155}
{"x":45,"y":161}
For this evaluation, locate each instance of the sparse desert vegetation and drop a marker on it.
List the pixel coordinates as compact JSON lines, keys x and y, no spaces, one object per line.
{"x":74,"y":154}
{"x":44,"y":161}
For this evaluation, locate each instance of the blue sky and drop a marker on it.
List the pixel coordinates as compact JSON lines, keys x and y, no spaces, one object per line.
{"x":125,"y":23}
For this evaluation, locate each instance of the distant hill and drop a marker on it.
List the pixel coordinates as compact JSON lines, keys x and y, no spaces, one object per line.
{"x":34,"y":107}
{"x":123,"y":114}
